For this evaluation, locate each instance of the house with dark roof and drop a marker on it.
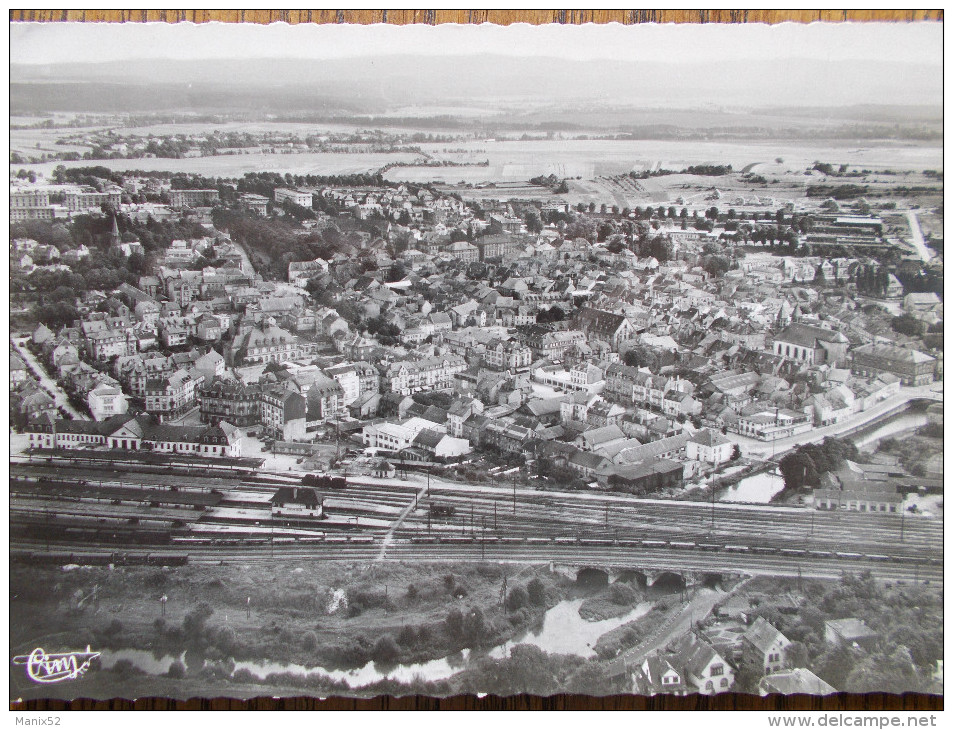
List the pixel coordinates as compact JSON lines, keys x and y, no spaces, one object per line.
{"x":850,"y":632}
{"x":811,"y":345}
{"x":657,"y":676}
{"x":145,"y":433}
{"x":599,"y":325}
{"x":296,"y":503}
{"x":914,"y":368}
{"x":762,"y":647}
{"x":709,"y":446}
{"x":702,"y":667}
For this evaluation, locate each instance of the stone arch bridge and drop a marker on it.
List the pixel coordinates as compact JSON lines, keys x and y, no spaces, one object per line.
{"x":596,"y":574}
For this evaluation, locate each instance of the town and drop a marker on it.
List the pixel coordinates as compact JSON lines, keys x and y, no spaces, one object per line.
{"x":235,"y":366}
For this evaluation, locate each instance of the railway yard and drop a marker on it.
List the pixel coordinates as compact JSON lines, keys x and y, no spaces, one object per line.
{"x":64,"y":509}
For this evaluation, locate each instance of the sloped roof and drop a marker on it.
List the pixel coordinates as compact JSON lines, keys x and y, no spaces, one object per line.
{"x":795,"y":681}
{"x":762,"y":635}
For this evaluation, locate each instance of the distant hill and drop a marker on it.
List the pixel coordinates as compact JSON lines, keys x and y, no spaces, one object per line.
{"x":372,"y":84}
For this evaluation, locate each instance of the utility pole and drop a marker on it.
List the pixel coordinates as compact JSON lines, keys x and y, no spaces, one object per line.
{"x":713,"y":505}
{"x":607,"y":514}
{"x":902,"y":517}
{"x":494,"y":515}
{"x":483,"y":541}
{"x":514,"y":493}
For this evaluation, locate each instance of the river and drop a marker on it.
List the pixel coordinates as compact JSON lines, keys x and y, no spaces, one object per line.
{"x":760,"y":488}
{"x":905,"y":421}
{"x":563,"y":631}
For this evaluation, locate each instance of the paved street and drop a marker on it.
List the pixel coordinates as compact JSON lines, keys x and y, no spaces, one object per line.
{"x":752,"y":447}
{"x":48,"y":384}
{"x":695,"y":610}
{"x":922,"y":251}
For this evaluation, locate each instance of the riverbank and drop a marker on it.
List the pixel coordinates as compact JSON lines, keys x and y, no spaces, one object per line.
{"x":319,"y":628}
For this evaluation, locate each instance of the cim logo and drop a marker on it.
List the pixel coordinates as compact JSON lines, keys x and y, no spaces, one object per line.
{"x":49,"y":668}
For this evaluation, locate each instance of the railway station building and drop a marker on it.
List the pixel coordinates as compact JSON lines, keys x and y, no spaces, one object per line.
{"x":138,"y":433}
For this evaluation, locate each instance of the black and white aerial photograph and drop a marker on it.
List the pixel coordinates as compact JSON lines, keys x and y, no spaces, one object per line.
{"x":440,"y":360}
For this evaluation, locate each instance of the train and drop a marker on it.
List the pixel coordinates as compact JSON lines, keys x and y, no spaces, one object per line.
{"x":84,"y":558}
{"x":654,"y":545}
{"x":323,"y":481}
{"x":233,"y":540}
{"x":66,"y":529}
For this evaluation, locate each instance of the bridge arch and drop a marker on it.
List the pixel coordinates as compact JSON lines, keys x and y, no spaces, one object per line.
{"x":592,"y":577}
{"x":667,"y":581}
{"x":636,"y":578}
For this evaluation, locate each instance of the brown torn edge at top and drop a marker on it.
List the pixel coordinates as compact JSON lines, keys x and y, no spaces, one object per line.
{"x":498,"y":17}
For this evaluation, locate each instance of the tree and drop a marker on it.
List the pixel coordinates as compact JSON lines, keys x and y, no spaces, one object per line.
{"x":533,"y":222}
{"x":907,"y":324}
{"x":798,"y":470}
{"x":386,"y":649}
{"x":406,"y":636}
{"x":517,"y":598}
{"x":474,"y":628}
{"x":193,"y":624}
{"x":795,"y":655}
{"x":716,"y":265}
{"x":641,"y":356}
{"x":592,"y":678}
{"x":537,"y":592}
{"x":454,"y":623}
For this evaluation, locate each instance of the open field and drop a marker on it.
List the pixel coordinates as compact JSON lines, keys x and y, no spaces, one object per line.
{"x":33,"y":142}
{"x":517,"y":161}
{"x":330,"y":163}
{"x":589,"y":158}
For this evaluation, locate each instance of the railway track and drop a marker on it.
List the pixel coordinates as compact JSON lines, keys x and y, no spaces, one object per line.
{"x":644,"y":554}
{"x":469,"y":514}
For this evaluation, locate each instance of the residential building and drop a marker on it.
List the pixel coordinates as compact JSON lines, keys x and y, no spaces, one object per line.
{"x":299,"y":197}
{"x":800,"y":681}
{"x":172,"y":396}
{"x":600,"y":325}
{"x":106,"y":401}
{"x":111,"y":343}
{"x":18,"y":371}
{"x":710,"y":446}
{"x":507,"y":355}
{"x":192,"y":198}
{"x":914,"y":368}
{"x":762,"y":647}
{"x":413,"y":376}
{"x":849,"y":632}
{"x":283,"y":413}
{"x":231,"y":401}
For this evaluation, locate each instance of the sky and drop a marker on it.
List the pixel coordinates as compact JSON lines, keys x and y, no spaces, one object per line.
{"x":42,"y":43}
